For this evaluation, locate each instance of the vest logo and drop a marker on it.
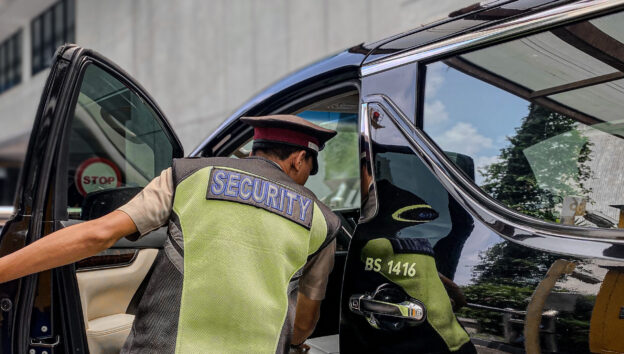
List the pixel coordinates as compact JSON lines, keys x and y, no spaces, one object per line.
{"x":259,"y":192}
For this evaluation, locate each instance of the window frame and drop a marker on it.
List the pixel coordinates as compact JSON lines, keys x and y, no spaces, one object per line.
{"x":239,"y":133}
{"x":92,"y":58}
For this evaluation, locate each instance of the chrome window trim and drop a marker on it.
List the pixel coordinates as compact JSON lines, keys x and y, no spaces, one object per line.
{"x":366,"y":146}
{"x":499,"y":32}
{"x":507,"y":223}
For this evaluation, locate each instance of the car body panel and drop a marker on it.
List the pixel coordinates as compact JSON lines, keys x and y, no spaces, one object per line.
{"x":468,"y":19}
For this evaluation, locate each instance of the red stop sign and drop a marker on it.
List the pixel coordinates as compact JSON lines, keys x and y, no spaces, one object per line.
{"x":97,"y":173}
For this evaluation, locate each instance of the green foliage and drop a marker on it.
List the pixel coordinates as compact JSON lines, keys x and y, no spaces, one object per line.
{"x":573,"y":327}
{"x":339,"y":150}
{"x":513,"y":181}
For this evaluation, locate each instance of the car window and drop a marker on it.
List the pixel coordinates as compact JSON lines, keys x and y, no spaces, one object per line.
{"x":115,"y":140}
{"x":337,"y":183}
{"x":556,"y":100}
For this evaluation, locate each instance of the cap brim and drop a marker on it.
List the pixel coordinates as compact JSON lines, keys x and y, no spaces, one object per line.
{"x":294,"y":123}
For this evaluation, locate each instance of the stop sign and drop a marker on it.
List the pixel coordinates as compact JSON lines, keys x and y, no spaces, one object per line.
{"x":95,"y":174}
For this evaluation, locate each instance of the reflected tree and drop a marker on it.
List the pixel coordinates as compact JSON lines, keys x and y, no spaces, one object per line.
{"x":546,"y":160}
{"x":558,"y":167}
{"x":506,"y":277}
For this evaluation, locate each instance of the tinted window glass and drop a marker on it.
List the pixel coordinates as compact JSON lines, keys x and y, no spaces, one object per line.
{"x":115,"y":139}
{"x":337,"y":182}
{"x":489,"y":280}
{"x":542,"y":119}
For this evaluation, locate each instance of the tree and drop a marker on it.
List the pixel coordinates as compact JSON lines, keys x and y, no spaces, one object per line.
{"x":545,"y":161}
{"x":559,"y":154}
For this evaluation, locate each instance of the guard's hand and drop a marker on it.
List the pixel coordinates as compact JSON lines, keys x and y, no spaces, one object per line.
{"x":458,"y":300}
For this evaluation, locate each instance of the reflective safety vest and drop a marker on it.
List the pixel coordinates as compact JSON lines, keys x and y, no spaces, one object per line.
{"x":240,"y":232}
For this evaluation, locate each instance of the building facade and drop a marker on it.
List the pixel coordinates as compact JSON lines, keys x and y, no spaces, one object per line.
{"x":199,"y":59}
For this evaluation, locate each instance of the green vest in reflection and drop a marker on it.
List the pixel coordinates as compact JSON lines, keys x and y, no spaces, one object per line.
{"x":409,"y":264}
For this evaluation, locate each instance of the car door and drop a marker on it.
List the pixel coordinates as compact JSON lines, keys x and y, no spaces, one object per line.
{"x":492,"y":220}
{"x":98,"y":138}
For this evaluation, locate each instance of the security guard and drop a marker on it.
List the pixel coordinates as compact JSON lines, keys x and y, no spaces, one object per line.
{"x":241,"y":233}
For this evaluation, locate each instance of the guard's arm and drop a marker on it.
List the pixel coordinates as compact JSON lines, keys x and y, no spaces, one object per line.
{"x":308,"y":312}
{"x":67,"y":245}
{"x":312,"y":287}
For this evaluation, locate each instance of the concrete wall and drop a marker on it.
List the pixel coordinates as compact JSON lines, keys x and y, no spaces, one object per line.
{"x":202,"y":59}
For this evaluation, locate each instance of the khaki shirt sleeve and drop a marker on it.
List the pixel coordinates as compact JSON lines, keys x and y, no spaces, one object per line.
{"x":313,"y":281}
{"x":150,"y":209}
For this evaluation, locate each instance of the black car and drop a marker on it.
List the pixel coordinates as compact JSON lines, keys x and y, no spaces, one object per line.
{"x":477,"y":172}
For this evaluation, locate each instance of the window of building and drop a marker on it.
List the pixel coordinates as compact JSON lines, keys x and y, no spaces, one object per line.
{"x":49,"y":30}
{"x":541,"y":117}
{"x":11,"y":61}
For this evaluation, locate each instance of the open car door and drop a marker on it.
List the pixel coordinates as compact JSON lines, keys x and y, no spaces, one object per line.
{"x":98,"y":138}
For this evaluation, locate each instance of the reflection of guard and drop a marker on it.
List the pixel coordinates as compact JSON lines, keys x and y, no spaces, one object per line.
{"x":409,"y":266}
{"x":399,"y":209}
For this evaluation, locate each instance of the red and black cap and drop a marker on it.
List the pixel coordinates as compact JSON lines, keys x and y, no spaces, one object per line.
{"x":290,"y":130}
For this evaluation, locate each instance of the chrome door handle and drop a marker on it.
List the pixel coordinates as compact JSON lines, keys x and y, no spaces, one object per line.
{"x":412,"y":310}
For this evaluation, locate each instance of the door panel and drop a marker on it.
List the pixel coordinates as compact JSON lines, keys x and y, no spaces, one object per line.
{"x":30,"y":222}
{"x":115,"y":146}
{"x":394,"y":299}
{"x":506,"y":295}
{"x":105,"y":296}
{"x":98,"y":139}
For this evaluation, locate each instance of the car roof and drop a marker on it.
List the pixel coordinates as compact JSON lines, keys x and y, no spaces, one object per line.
{"x":346,"y":64}
{"x":464,"y":20}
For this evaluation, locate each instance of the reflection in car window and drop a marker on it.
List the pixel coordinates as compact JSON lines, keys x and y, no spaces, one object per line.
{"x":557,"y":105}
{"x":115,"y":139}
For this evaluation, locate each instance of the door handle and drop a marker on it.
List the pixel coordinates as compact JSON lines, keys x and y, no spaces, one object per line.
{"x":411,"y":310}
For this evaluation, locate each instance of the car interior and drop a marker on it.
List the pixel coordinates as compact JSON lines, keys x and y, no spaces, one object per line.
{"x":114,"y":126}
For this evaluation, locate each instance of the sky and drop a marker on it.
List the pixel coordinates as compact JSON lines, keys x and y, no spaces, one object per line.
{"x":459,"y":110}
